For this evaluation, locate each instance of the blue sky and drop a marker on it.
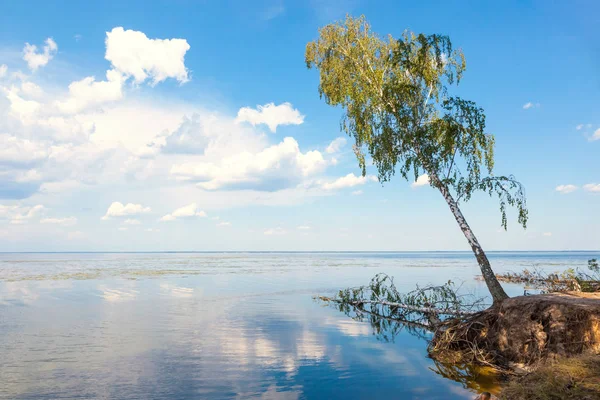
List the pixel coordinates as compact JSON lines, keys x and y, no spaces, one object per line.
{"x":117,"y":139}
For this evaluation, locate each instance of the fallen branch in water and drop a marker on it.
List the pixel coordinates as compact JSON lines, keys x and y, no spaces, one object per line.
{"x":427,"y":308}
{"x":424,"y":310}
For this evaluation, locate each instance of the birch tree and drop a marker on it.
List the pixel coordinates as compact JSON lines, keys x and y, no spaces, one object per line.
{"x":397,"y":107}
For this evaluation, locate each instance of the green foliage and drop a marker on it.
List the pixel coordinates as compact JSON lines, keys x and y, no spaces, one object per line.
{"x":445,"y":300}
{"x":399,"y":111}
{"x":593,"y":266}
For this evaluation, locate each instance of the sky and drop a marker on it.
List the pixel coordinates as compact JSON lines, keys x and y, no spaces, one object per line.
{"x":196,"y":126}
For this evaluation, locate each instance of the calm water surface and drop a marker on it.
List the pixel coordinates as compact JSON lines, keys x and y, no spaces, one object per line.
{"x":221,"y":325}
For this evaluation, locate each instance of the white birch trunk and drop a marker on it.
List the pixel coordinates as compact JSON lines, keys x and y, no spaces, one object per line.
{"x":496,"y":290}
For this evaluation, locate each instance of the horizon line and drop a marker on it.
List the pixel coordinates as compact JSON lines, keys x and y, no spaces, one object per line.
{"x":290,"y":251}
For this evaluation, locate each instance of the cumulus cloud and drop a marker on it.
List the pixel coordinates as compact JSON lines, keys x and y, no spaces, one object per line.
{"x":20,"y":108}
{"x":357,"y":192}
{"x":565,"y":189}
{"x":276,"y":167}
{"x":347,"y":181}
{"x":223,"y":224}
{"x":192,"y":136}
{"x":131,"y":221}
{"x":595,"y":135}
{"x":529,"y":105}
{"x":592,"y":187}
{"x":336,"y":145}
{"x":31,"y":89}
{"x":117,"y":209}
{"x":274,"y":231}
{"x":191,"y":210}
{"x":271,"y":115}
{"x":37,"y":59}
{"x":68,"y":221}
{"x":21,"y":152}
{"x":422,"y":180}
{"x":20,"y":214}
{"x":132,"y":53}
{"x":89,"y":92}
{"x":3,"y":70}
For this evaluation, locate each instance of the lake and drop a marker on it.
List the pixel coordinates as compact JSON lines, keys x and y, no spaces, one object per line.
{"x":223,"y":325}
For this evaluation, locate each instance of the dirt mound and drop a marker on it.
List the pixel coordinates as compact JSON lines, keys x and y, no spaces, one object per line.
{"x":522,"y":331}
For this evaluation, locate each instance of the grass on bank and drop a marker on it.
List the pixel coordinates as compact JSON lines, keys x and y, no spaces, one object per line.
{"x":562,"y":379}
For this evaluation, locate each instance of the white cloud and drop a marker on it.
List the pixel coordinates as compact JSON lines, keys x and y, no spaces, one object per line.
{"x":564,"y":189}
{"x":357,"y":192}
{"x":336,"y":145}
{"x":31,"y":89}
{"x":17,"y":151}
{"x":274,"y":231}
{"x":132,"y":53}
{"x":347,"y":181}
{"x":271,"y":115}
{"x":131,"y":221}
{"x":20,"y":214}
{"x":78,"y":37}
{"x":582,"y":126}
{"x":117,"y":209}
{"x":278,"y":166}
{"x":596,"y":135}
{"x":34,"y":59}
{"x":3,"y":70}
{"x":422,"y":180}
{"x":88,"y":92}
{"x":68,"y":221}
{"x":24,"y":110}
{"x":59,"y":186}
{"x":547,"y":233}
{"x":152,"y":230}
{"x":303,"y":227}
{"x":223,"y":224}
{"x":529,"y":105}
{"x":122,"y":228}
{"x":191,"y":210}
{"x":592,"y":187}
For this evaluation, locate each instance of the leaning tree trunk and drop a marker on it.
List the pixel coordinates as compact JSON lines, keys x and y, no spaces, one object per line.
{"x":496,"y":290}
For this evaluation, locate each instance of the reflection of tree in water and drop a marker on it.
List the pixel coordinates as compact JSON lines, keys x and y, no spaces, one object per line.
{"x":419,"y":313}
{"x":385,"y":328}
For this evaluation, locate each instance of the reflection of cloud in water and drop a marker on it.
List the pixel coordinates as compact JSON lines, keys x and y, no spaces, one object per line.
{"x":149,"y":347}
{"x":308,"y":346}
{"x":28,"y":292}
{"x":350,"y":327}
{"x":176,"y":291}
{"x":115,"y":295}
{"x":17,"y":293}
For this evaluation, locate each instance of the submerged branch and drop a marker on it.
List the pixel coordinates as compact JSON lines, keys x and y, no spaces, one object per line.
{"x":424,"y":310}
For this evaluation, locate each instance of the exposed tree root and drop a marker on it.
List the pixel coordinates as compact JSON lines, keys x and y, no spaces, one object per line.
{"x":511,"y":337}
